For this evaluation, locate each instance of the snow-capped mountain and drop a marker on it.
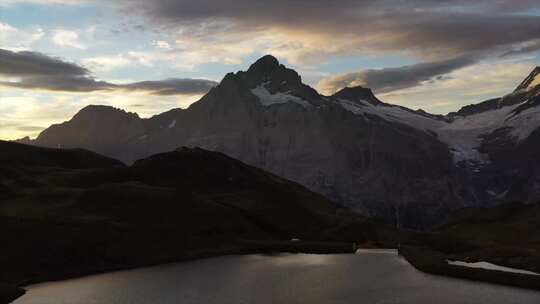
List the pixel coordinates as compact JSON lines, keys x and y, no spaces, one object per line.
{"x":503,"y":144}
{"x":514,"y":115}
{"x":380,"y":159}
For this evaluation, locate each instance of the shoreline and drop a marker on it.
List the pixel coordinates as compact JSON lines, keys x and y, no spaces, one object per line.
{"x":434,"y":262}
{"x":10,"y":292}
{"x":423,"y":259}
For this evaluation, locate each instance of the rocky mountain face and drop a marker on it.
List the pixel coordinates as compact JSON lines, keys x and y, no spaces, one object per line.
{"x":409,"y":167}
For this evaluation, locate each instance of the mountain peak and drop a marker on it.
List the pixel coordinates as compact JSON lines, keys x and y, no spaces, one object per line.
{"x":358,"y":93}
{"x":264,"y":65}
{"x":94,"y":111}
{"x":267,"y":69}
{"x":265,"y":76}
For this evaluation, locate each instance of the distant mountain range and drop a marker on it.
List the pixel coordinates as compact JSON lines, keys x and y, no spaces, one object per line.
{"x":409,"y":167}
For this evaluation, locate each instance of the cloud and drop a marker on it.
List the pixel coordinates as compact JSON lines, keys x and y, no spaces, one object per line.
{"x":308,"y":32}
{"x":391,"y":79}
{"x":26,"y":63}
{"x":180,"y":53}
{"x":528,"y":47}
{"x":172,"y":86}
{"x":60,"y":83}
{"x":106,"y":63}
{"x":311,"y":30}
{"x":46,"y":2}
{"x":30,"y":128}
{"x":17,"y":39}
{"x":38,"y":71}
{"x":130,"y":58}
{"x":64,"y":38}
{"x":162,"y":44}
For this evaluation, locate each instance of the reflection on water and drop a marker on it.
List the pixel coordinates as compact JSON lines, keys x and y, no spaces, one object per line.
{"x":285,"y":259}
{"x":366,"y":277}
{"x":376,"y":251}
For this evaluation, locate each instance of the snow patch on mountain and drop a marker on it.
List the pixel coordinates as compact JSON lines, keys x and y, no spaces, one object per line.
{"x":524,"y":123}
{"x":268,"y":99}
{"x":463,"y":134}
{"x":392,"y":113}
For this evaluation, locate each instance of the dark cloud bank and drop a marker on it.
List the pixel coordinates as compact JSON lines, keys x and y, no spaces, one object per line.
{"x":36,"y":64}
{"x":429,"y":28}
{"x":444,"y":34}
{"x":39,"y":71}
{"x":391,"y":79}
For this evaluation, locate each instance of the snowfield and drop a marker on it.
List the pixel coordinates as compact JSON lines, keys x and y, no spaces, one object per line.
{"x":490,"y":266}
{"x":268,"y":99}
{"x":392,"y":113}
{"x":463,"y":133}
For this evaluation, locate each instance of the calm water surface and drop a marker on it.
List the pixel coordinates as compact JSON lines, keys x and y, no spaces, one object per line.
{"x":364,"y":277}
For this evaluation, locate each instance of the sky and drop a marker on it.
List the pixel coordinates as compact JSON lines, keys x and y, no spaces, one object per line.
{"x":149,"y":56}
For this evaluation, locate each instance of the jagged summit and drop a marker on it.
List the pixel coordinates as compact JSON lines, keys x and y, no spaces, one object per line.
{"x":273,"y":74}
{"x":93,"y":111}
{"x":357,"y":94}
{"x":269,"y":78}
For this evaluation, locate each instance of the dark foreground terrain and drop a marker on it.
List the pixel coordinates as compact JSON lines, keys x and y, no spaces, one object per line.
{"x":66,"y":213}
